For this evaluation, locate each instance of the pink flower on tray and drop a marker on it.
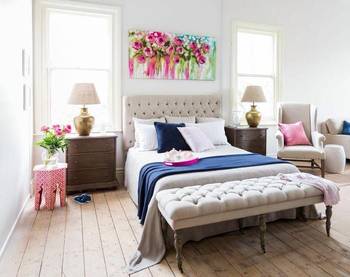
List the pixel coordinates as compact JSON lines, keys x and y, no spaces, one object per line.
{"x":141,"y":59}
{"x":137,"y":45}
{"x":45,"y":129}
{"x":178,"y":41}
{"x":148,"y":52}
{"x":201,"y":59}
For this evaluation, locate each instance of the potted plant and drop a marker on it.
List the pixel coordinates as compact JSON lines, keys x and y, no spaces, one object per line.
{"x":53,"y":141}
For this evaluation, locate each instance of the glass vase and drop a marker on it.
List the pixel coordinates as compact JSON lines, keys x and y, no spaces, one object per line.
{"x":49,"y":158}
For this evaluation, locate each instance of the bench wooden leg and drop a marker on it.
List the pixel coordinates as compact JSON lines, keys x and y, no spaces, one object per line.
{"x":323,"y":168}
{"x":178,"y":248}
{"x":164,"y":231}
{"x":328,"y":219}
{"x":240,"y":225}
{"x":262,"y":227}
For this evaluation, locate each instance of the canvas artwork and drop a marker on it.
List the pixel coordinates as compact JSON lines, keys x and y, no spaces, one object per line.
{"x":160,"y":55}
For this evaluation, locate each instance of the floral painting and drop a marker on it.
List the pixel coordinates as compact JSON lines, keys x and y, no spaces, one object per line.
{"x":160,"y":55}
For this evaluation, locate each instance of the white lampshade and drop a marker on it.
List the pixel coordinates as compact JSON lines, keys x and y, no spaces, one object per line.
{"x":84,"y":94}
{"x":253,"y":94}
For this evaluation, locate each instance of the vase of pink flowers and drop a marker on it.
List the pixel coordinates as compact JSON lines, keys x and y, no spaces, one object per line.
{"x":53,"y":141}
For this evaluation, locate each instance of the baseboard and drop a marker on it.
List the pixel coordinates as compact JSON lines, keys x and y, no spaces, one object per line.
{"x":120,"y":175}
{"x":3,"y":247}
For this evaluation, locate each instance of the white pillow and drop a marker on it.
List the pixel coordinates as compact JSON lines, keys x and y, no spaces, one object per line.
{"x":146,"y":137}
{"x":148,"y":121}
{"x":180,"y":119}
{"x":196,"y":139}
{"x":334,"y":126}
{"x":208,"y":119}
{"x":214,"y":130}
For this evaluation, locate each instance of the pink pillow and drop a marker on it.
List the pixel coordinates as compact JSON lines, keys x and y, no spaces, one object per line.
{"x":196,"y":139}
{"x":294,"y":134}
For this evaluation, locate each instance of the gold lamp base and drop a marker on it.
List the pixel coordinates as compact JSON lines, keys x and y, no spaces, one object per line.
{"x":84,"y":122}
{"x":253,"y":117}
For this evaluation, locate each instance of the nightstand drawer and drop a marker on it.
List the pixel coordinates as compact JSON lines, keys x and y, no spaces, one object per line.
{"x":79,"y":146}
{"x":91,"y":160}
{"x":78,"y":177}
{"x":251,"y":137}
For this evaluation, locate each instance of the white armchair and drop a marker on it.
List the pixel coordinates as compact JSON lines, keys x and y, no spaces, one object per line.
{"x":306,"y":113}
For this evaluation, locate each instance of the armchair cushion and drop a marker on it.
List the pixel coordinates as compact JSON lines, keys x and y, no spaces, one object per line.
{"x":301,"y":152}
{"x":294,"y":134}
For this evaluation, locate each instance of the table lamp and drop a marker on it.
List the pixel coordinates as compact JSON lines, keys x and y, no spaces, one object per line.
{"x":84,"y":94}
{"x":253,"y":94}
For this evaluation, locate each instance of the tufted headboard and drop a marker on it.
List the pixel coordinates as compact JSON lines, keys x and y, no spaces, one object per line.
{"x":150,"y":106}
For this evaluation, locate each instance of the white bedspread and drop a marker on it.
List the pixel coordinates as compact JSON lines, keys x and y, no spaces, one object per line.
{"x":151,"y":248}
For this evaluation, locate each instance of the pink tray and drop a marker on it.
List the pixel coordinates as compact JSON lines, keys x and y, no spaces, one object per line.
{"x":182,"y":163}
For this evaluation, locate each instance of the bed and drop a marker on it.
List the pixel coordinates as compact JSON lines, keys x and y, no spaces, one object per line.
{"x":151,"y":248}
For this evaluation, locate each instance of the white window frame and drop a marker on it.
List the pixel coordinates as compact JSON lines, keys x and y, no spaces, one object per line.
{"x":42,"y":111}
{"x":257,"y":29}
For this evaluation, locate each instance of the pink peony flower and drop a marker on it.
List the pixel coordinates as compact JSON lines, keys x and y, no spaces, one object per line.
{"x":45,"y":129}
{"x":178,"y":41}
{"x":176,"y":59}
{"x":170,"y":50}
{"x":180,"y":50}
{"x":55,"y":126}
{"x":205,"y":47}
{"x":58,"y":132}
{"x":141,"y":59}
{"x":67,"y":129}
{"x":148,"y":52}
{"x":193,"y":45}
{"x":137,"y":45}
{"x":150,"y":37}
{"x":201,"y":59}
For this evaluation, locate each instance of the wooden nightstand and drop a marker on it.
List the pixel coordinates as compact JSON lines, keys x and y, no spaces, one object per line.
{"x":91,"y":162}
{"x":250,"y":139}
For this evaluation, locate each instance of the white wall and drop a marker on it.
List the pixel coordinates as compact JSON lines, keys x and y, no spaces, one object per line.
{"x":15,"y":123}
{"x":316,"y":56}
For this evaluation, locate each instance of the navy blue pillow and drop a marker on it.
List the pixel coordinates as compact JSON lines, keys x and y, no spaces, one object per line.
{"x":346,"y":128}
{"x":169,"y":137}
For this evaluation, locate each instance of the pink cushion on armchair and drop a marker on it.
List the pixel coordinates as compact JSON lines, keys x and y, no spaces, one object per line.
{"x":294,"y":134}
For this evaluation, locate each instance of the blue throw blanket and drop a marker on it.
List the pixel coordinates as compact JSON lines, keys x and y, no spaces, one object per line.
{"x":152,"y":172}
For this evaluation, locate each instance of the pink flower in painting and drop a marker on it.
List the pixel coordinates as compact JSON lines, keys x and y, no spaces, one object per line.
{"x":148,"y":52}
{"x":137,"y":45}
{"x":141,"y":59}
{"x":170,"y":50}
{"x":176,"y":59}
{"x":157,"y":34}
{"x":160,"y":41}
{"x":197,"y":53}
{"x":193,"y":46}
{"x":178,"y":41}
{"x":201,"y":59}
{"x":151,"y":38}
{"x":180,"y":50}
{"x":45,"y":129}
{"x":205,"y":47}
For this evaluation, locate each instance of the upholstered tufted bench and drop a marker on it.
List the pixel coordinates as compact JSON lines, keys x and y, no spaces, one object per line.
{"x":194,"y":206}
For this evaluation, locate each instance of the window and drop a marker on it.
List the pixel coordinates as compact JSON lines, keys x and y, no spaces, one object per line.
{"x":75,"y":43}
{"x":256,"y":63}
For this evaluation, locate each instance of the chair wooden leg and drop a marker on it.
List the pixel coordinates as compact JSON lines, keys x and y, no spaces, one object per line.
{"x":328,"y":219}
{"x":262,"y":227}
{"x":178,"y":248}
{"x":323,"y":168}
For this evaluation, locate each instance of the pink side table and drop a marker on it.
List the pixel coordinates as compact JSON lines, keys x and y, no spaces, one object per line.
{"x":47,"y":180}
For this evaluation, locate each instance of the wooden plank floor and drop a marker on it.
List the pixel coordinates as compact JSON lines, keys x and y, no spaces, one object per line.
{"x":98,"y":238}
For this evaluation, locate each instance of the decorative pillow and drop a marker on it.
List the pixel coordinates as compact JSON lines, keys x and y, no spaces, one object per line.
{"x":208,"y":119}
{"x":196,"y":139}
{"x":180,"y":119}
{"x":169,"y":137}
{"x":146,"y":137}
{"x":294,"y":134}
{"x":334,"y":126}
{"x":149,"y":121}
{"x":214,"y":130}
{"x":346,"y":128}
